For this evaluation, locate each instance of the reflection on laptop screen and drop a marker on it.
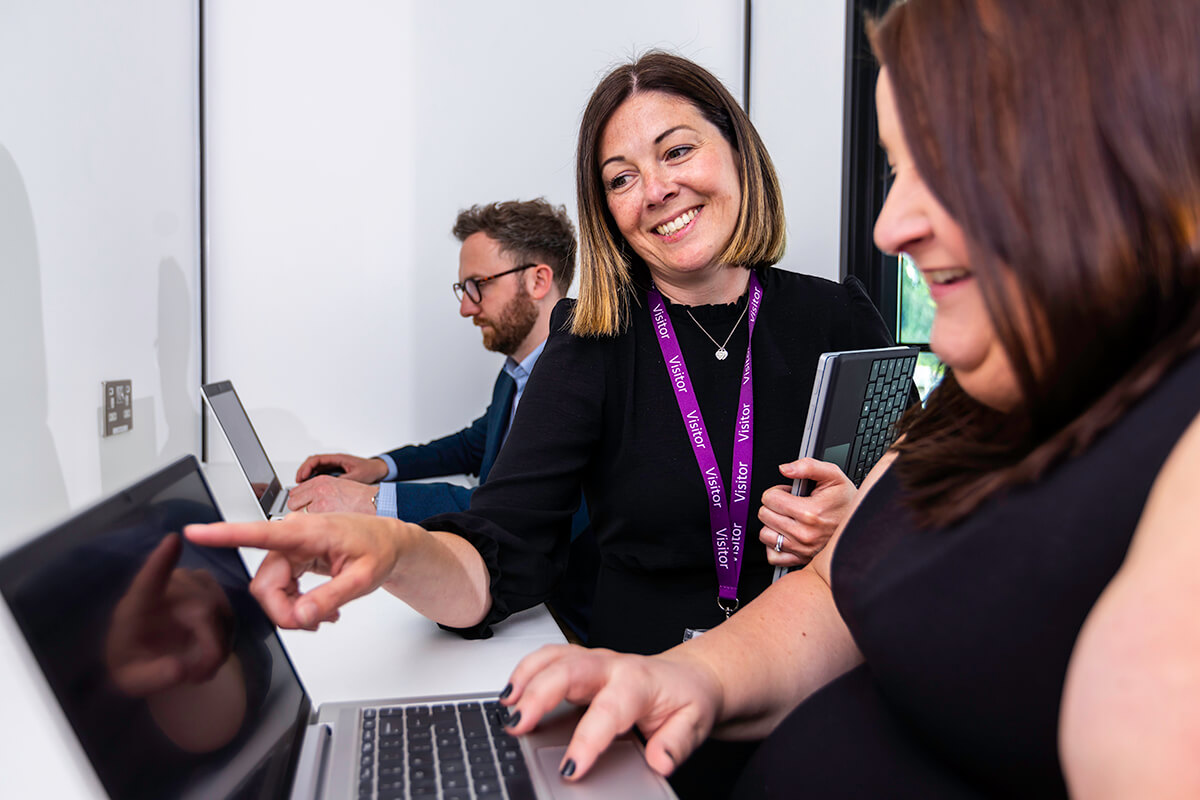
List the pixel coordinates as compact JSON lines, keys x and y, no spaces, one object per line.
{"x":164,"y":664}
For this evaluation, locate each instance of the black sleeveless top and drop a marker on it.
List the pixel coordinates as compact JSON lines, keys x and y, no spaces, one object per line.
{"x":967,"y":631}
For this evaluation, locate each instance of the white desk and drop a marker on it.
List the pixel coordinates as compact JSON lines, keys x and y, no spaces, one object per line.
{"x":379,"y":648}
{"x":382,"y":648}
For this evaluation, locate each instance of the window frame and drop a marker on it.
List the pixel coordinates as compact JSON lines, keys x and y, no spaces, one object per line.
{"x":864,"y":172}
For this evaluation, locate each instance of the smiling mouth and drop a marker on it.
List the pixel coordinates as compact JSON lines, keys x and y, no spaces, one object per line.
{"x":946,"y":277}
{"x":677,"y":224}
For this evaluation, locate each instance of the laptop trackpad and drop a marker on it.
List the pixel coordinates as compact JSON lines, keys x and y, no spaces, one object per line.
{"x":620,"y":772}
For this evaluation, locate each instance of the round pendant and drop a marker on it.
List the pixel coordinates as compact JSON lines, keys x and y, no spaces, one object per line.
{"x":722,"y":354}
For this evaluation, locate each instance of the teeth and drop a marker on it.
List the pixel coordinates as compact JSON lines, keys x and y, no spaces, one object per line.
{"x":677,"y":223}
{"x":940,"y":276}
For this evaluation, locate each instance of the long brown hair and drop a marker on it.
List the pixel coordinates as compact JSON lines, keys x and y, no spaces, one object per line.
{"x":607,"y":267}
{"x":1064,"y":137}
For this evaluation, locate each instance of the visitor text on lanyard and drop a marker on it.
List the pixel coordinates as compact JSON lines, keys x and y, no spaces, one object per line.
{"x":727,"y":514}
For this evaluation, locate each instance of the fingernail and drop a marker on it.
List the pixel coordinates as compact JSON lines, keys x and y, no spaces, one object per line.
{"x":512,"y":720}
{"x":568,"y":769}
{"x":506,"y":691}
{"x":671,"y":756}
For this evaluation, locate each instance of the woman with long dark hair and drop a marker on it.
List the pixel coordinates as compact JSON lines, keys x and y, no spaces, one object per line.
{"x":1010,"y":609}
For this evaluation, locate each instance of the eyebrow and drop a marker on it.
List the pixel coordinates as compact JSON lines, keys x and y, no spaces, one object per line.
{"x":657,"y":140}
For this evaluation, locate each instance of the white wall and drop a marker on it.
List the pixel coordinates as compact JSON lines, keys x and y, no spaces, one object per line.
{"x":343,"y":139}
{"x":342,"y":142}
{"x":797,"y":63}
{"x":98,"y":280}
{"x":98,"y":246}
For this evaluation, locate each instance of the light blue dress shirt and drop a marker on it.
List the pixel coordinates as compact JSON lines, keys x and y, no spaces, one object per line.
{"x":385,"y":502}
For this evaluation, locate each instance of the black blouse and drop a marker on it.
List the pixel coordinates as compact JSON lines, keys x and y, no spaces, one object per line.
{"x":601,"y":413}
{"x":967,"y":631}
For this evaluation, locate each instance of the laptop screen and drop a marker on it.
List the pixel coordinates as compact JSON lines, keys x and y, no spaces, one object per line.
{"x":246,"y":447}
{"x":173,"y":679}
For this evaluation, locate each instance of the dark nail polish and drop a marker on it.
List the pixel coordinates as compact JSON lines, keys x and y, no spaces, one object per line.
{"x":513,"y":719}
{"x":506,"y":691}
{"x":568,"y":769}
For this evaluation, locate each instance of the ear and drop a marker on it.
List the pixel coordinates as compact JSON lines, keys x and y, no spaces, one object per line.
{"x":541,"y":283}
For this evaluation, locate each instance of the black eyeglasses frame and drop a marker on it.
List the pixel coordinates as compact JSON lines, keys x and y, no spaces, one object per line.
{"x":473,"y":287}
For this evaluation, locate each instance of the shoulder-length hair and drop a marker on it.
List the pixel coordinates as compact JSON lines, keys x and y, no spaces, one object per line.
{"x":1064,"y":138}
{"x":607,"y":266}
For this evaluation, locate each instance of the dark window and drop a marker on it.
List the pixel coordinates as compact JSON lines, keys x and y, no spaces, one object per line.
{"x":893,"y":284}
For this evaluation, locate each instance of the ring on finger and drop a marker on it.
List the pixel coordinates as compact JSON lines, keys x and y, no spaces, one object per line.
{"x":779,"y":544}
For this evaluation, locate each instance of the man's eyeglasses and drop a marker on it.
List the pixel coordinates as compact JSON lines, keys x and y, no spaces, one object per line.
{"x":473,"y":287}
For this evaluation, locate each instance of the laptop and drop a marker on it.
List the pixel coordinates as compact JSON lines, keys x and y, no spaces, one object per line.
{"x":103,"y":596}
{"x":857,"y":398}
{"x":234,"y":423}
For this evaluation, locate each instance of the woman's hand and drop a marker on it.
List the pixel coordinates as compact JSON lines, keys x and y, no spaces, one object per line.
{"x":358,"y":552}
{"x":674,"y":700}
{"x":796,"y":528}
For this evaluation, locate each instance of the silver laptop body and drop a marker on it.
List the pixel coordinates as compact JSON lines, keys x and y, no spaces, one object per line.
{"x":95,"y":598}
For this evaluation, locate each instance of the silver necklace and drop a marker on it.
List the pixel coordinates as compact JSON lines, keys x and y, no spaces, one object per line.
{"x":721,"y":353}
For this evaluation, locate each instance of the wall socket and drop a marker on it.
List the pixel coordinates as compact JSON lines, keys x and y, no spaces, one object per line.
{"x":117,"y":415}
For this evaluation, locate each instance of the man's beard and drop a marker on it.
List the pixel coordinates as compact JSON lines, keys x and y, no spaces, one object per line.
{"x":510,"y":330}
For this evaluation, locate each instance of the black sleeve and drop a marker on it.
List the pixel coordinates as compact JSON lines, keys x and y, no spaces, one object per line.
{"x":520,"y":518}
{"x":863,"y":326}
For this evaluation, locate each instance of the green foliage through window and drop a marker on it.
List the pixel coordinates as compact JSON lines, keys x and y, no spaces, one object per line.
{"x":916,"y":318}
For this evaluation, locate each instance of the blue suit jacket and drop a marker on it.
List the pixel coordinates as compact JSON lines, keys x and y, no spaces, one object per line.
{"x":471,"y":451}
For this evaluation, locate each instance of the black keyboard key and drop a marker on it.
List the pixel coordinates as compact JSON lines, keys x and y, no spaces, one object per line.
{"x":455,"y":782}
{"x":487,"y":786}
{"x":520,"y":788}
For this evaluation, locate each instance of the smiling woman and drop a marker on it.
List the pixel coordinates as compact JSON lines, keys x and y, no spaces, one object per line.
{"x":674,"y":193}
{"x":994,"y":618}
{"x":677,"y":447}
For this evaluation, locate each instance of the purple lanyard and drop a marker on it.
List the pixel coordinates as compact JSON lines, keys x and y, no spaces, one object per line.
{"x":728,"y":519}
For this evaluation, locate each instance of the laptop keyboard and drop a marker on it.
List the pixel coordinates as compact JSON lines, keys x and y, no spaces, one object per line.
{"x":454,"y":751}
{"x":885,"y":400}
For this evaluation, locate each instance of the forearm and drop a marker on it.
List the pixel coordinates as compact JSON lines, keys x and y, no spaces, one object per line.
{"x":774,"y":653}
{"x":441,"y":576}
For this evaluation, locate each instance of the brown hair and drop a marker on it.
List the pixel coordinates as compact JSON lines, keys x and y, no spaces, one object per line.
{"x":532,"y":230}
{"x":1064,"y":138}
{"x":607,"y":266}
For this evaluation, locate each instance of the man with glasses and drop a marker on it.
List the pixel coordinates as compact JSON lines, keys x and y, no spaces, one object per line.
{"x":517,"y":260}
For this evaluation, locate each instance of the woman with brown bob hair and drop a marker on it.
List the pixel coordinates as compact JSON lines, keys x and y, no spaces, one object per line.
{"x":609,"y":270}
{"x":1010,"y":609}
{"x":668,"y":394}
